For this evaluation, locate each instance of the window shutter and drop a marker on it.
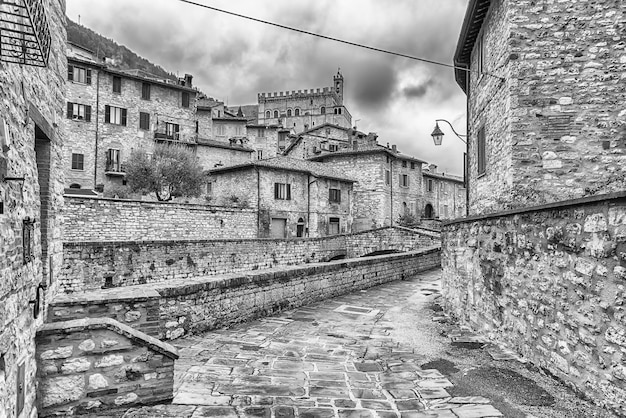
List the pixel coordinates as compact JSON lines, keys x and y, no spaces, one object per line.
{"x":70,"y":72}
{"x":275,"y":190}
{"x":109,"y":159}
{"x":70,"y":110}
{"x":124,"y":117}
{"x":107,"y":114}
{"x":176,"y":128}
{"x":288,"y":191}
{"x":88,"y":113}
{"x":330,"y":195}
{"x":338,"y":196}
{"x":88,"y":76}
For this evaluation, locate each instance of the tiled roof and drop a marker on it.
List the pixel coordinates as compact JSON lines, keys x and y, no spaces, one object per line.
{"x":473,"y":21}
{"x":442,"y":176}
{"x":219,"y":144}
{"x":367,"y":149}
{"x":292,"y":164}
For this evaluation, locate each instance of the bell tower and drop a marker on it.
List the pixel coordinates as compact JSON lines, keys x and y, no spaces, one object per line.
{"x":338,"y":86}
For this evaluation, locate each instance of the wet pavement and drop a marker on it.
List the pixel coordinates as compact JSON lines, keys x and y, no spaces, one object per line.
{"x":382,"y":352}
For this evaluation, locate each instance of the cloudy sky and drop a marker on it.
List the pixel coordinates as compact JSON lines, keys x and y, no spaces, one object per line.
{"x":232,"y":58}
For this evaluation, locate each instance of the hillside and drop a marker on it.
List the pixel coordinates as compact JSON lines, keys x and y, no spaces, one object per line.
{"x":105,"y":47}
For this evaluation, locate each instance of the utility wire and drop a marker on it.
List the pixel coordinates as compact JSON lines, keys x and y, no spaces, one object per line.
{"x":330,"y":38}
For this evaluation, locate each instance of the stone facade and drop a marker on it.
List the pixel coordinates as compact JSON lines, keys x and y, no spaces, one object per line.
{"x":94,"y":219}
{"x":263,"y":139}
{"x":320,"y":140}
{"x":294,"y":198}
{"x":31,"y":187}
{"x":204,"y":303}
{"x":93,"y":265}
{"x":302,"y":110}
{"x":212,"y":153}
{"x":103,"y":113}
{"x":98,"y":366}
{"x":550,"y":101}
{"x":548,"y":282}
{"x":445,"y":194}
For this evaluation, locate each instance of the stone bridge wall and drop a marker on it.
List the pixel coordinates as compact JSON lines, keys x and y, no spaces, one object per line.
{"x":88,"y":264}
{"x":95,"y":219}
{"x":187,"y":306}
{"x":549,"y":282}
{"x":88,"y":366}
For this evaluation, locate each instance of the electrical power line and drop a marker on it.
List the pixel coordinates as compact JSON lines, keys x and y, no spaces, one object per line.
{"x":330,"y":38}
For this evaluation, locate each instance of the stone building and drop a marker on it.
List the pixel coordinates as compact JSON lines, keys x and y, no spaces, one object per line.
{"x":322,"y":139}
{"x":545,"y":100}
{"x":305,"y":109}
{"x":293,"y":197}
{"x":32,"y":85}
{"x":444,"y":195}
{"x":110,"y":113}
{"x":388,"y":183}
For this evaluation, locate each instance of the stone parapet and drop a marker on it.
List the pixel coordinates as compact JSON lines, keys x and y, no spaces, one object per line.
{"x":90,"y":365}
{"x":549,"y":282}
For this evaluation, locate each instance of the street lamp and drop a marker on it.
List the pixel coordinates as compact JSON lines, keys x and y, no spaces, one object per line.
{"x":438,"y":134}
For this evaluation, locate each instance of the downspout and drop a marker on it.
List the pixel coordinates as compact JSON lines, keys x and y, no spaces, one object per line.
{"x":466,"y":159}
{"x":391,"y":190}
{"x":308,"y":204}
{"x":95,"y":155}
{"x":258,"y":203}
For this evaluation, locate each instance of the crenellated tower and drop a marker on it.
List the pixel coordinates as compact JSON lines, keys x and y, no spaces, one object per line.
{"x":338,"y":79}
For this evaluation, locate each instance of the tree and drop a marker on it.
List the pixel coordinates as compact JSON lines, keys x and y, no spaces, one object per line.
{"x":172,"y":171}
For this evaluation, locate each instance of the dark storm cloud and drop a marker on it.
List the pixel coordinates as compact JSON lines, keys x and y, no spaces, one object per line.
{"x":230,"y":51}
{"x":418,"y":90}
{"x":374,"y":85}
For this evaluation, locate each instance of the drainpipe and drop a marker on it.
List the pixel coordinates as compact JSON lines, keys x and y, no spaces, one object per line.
{"x":308,"y":204}
{"x":391,"y":189}
{"x":95,"y":155}
{"x":258,"y":203}
{"x":466,"y":157}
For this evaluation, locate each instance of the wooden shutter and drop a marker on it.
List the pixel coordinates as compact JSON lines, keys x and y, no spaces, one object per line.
{"x":185,"y":99}
{"x":88,"y":76}
{"x":288,"y":191}
{"x":70,"y":72}
{"x":275,"y":190}
{"x":123,"y":117}
{"x":70,"y":110}
{"x":107,"y":114}
{"x":481,"y":151}
{"x":88,"y":113}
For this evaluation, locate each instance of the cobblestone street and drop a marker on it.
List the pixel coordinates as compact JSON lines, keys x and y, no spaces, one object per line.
{"x":365,"y":354}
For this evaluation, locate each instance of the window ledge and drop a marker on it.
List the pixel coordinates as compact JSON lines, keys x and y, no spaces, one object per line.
{"x":481,"y":175}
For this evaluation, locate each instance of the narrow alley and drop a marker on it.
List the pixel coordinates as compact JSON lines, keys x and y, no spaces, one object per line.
{"x":382,"y":352}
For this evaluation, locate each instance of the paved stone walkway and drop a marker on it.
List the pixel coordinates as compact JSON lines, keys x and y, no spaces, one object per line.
{"x":338,"y":358}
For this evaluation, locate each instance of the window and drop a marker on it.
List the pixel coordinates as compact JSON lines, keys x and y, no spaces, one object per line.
{"x":297,"y":112}
{"x":113,"y":160}
{"x":259,"y":154}
{"x":238,"y":130}
{"x":282,"y":191}
{"x":209,"y":188}
{"x":430,"y":185}
{"x":403,"y":164}
{"x":387,"y":177}
{"x":334,"y":195}
{"x":78,"y":161}
{"x":412,"y":165}
{"x":185,"y":99}
{"x":445,"y":211}
{"x":261,"y":133}
{"x":288,"y":113}
{"x":145,"y":91}
{"x":333,"y":226}
{"x":413,"y":208}
{"x":276,"y":114}
{"x":333,"y":147}
{"x":268,"y":114}
{"x":404,"y":180}
{"x":220,"y":130}
{"x":480,"y":150}
{"x":79,"y":74}
{"x":323,"y":110}
{"x":144,"y":121}
{"x":327,"y":131}
{"x":117,"y":84}
{"x":115,"y":115}
{"x":171,"y":130}
{"x":78,"y":111}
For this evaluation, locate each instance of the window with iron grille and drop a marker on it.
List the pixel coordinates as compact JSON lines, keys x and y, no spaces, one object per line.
{"x":144,"y":121}
{"x":78,"y":161}
{"x":185,"y":99}
{"x":79,"y":74}
{"x":79,"y":111}
{"x":282,"y":191}
{"x":334,"y":195}
{"x":481,"y":150}
{"x":117,"y":84}
{"x":113,"y":160}
{"x":145,"y":91}
{"x":114,"y":115}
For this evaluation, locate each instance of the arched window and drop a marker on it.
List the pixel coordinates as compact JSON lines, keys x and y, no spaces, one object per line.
{"x":288,"y":113}
{"x":268,"y":114}
{"x":323,"y":110}
{"x":276,"y":114}
{"x":335,"y":111}
{"x":428,"y":211}
{"x":297,"y":112}
{"x":300,"y":228}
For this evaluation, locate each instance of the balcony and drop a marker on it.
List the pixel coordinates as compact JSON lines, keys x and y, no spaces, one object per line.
{"x":161,"y":135}
{"x":115,"y":170}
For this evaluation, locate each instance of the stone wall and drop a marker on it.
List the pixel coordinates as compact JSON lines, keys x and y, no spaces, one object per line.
{"x":89,"y":366}
{"x":549,"y":282}
{"x":88,"y":265}
{"x":193,"y":305}
{"x":89,"y":219}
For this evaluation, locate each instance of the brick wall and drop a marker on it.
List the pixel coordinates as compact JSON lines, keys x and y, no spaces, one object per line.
{"x":89,"y":366}
{"x":549,"y":282}
{"x":89,"y":219}
{"x":87,"y":265}
{"x":188,"y":306}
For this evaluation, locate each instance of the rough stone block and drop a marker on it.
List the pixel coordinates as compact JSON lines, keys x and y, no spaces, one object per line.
{"x":61,"y":390}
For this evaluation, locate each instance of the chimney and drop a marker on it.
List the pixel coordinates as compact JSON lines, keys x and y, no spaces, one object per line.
{"x":393,"y":148}
{"x":387,"y":145}
{"x":432,"y":168}
{"x":188,"y":78}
